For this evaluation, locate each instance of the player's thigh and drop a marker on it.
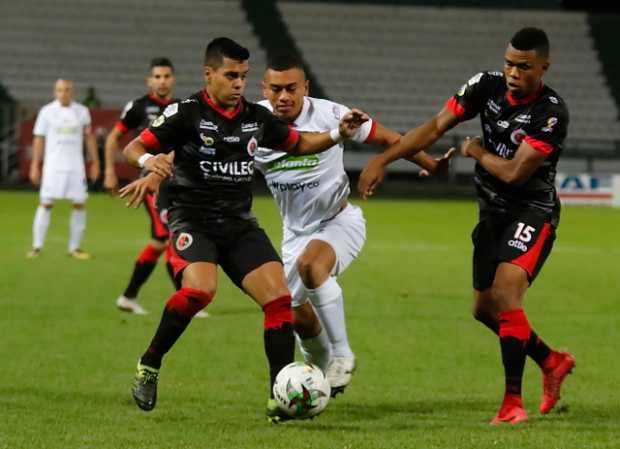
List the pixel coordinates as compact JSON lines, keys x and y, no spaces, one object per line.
{"x":346,"y":235}
{"x":316,"y":262}
{"x":194,"y":258}
{"x":266,"y":283}
{"x":527,"y":242}
{"x":53,"y":185}
{"x":292,"y":246}
{"x":158,"y":218}
{"x":76,"y":188}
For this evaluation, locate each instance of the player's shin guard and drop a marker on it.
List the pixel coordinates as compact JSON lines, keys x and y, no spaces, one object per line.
{"x":278,"y":336}
{"x":514,"y":332}
{"x":145,"y":264}
{"x":329,"y":305}
{"x":178,"y":313}
{"x":40,"y":225}
{"x":77,"y":227}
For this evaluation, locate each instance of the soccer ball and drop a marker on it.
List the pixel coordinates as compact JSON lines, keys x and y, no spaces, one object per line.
{"x":301,"y":390}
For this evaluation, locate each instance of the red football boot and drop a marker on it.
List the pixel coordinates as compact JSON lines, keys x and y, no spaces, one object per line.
{"x":555,"y":368}
{"x":511,"y":412}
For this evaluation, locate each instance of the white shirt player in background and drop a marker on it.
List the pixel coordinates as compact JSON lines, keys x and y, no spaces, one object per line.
{"x":59,"y":133}
{"x":322,"y":232}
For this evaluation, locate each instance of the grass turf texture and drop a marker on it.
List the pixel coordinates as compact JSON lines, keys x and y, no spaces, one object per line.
{"x":429,"y":376}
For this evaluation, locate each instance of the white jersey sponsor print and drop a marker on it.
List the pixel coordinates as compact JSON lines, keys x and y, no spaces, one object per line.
{"x":313,"y":188}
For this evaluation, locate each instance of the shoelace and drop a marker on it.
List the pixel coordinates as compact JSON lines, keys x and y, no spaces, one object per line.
{"x":148,"y":377}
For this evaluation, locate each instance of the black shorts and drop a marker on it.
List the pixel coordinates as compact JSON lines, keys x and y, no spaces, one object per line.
{"x":524,"y":240}
{"x":239,"y":247}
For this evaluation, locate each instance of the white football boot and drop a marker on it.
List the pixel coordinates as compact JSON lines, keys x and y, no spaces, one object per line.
{"x":339,"y":372}
{"x":130,"y":305}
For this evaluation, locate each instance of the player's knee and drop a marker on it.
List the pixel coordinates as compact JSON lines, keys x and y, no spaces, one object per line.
{"x":195,"y":283}
{"x":47,"y":206}
{"x":311,"y":273}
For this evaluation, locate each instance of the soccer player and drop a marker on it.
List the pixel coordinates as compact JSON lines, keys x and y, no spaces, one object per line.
{"x":59,"y":132}
{"x":322,"y":233}
{"x":524,"y":125}
{"x":137,"y":116}
{"x":215,"y":134}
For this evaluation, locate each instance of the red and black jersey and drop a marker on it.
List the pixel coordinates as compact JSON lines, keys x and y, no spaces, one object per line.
{"x":140,"y":113}
{"x":214,"y":154}
{"x":540,"y":120}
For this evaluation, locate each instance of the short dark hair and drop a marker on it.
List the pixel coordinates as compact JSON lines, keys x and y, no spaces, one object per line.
{"x":531,"y":38}
{"x":285,"y":60}
{"x":161,"y":62}
{"x":224,"y":47}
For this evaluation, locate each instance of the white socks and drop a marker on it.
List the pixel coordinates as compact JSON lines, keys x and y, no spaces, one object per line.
{"x":329,"y":306}
{"x":78,"y":224}
{"x":316,"y":349}
{"x":40,"y":225}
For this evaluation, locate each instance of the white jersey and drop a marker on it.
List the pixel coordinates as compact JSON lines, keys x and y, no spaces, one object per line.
{"x":312,"y":188}
{"x":63,"y":129}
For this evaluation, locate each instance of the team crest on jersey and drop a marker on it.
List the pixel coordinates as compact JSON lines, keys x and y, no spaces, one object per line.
{"x":158,"y":121}
{"x":184,"y":241}
{"x":517,"y":136}
{"x":252,"y":146}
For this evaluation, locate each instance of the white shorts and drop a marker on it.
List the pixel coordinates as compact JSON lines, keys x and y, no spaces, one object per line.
{"x":345,"y":233}
{"x":59,"y":185}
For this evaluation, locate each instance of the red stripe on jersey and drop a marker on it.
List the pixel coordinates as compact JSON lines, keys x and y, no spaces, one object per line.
{"x":544,"y":147}
{"x":121,"y":127}
{"x":529,"y":260}
{"x":228,"y":114}
{"x":517,"y":101}
{"x":161,"y":231}
{"x":371,"y":134}
{"x":291,"y":140}
{"x":159,"y":100}
{"x":149,"y":139}
{"x":455,"y":107}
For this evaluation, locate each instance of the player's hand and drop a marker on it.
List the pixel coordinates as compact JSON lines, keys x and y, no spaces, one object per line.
{"x":351,"y":122}
{"x":110,"y":182}
{"x":35,"y":174}
{"x":160,"y":164}
{"x":469,"y":143}
{"x":370,"y":178}
{"x":135,"y":192}
{"x":441,"y":166}
{"x":94,"y":171}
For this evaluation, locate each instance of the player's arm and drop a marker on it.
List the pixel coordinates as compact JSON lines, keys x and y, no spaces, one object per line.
{"x":135,"y":192}
{"x":139,"y":153}
{"x":408,"y":146}
{"x":38,"y":145}
{"x":311,"y":143}
{"x":110,"y":181}
{"x":511,"y":171}
{"x":93,"y":153}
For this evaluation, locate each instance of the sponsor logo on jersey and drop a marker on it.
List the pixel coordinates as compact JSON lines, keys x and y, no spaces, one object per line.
{"x":503,"y":124}
{"x":208,"y":140}
{"x":209,"y":151}
{"x":171,"y":110}
{"x":336,"y":112}
{"x":184,"y":241}
{"x":462,"y":90}
{"x":67,"y":130}
{"x":551,"y":122}
{"x":518,"y":244}
{"x":554,"y":100}
{"x":232,"y":139}
{"x":158,"y":121}
{"x":205,"y":124}
{"x":523,"y":118}
{"x":491,"y":105}
{"x":517,"y":136}
{"x":252,"y":146}
{"x":152,"y":110}
{"x":230,"y":168}
{"x":294,"y":163}
{"x":475,"y":79}
{"x":294,"y":186}
{"x":249,"y":127}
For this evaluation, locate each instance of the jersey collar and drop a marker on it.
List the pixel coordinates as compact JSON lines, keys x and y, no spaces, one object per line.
{"x":159,"y":100}
{"x":518,"y":101}
{"x":228,"y":114}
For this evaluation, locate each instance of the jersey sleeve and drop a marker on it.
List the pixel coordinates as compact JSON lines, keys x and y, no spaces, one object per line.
{"x":86,"y":120}
{"x":276,"y":134}
{"x":548,"y":127}
{"x":167,"y":130}
{"x":470,"y":98}
{"x":41,"y":124}
{"x":366,"y":132}
{"x":130,"y":118}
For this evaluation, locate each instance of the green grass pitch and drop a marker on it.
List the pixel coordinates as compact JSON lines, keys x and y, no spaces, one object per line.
{"x":429,"y":376}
